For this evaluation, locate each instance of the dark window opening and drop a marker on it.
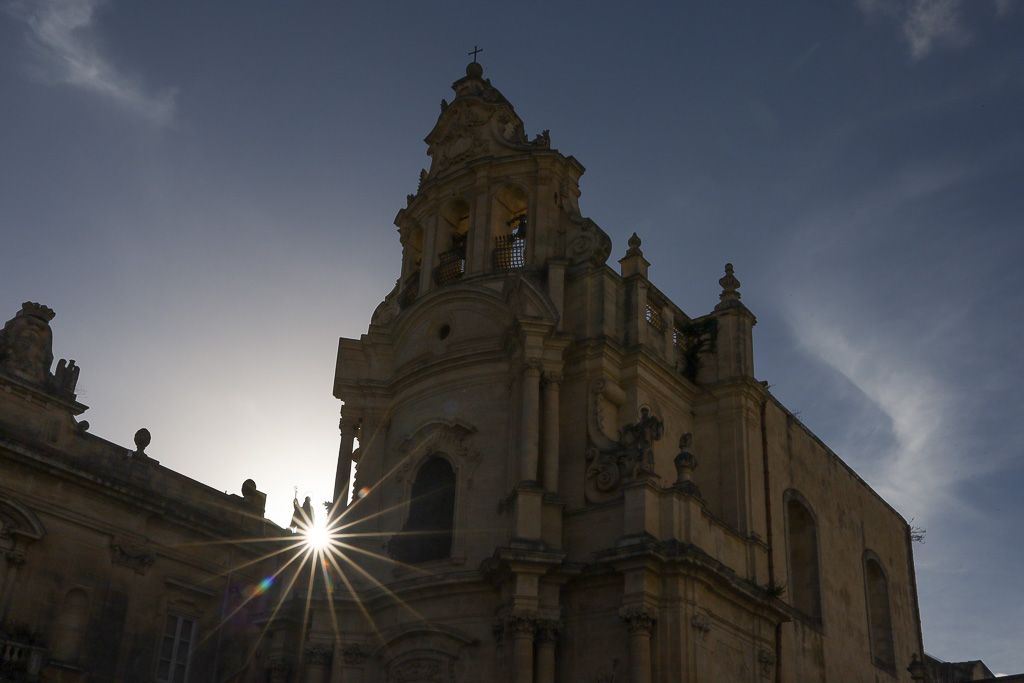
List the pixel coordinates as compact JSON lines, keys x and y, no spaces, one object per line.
{"x":427,"y":533}
{"x":804,"y":579}
{"x":879,"y":616}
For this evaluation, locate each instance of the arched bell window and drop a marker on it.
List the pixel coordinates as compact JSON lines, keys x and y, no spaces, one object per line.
{"x":452,"y":237}
{"x":427,"y":533}
{"x":509,"y":215}
{"x":879,"y":615}
{"x":802,"y":547}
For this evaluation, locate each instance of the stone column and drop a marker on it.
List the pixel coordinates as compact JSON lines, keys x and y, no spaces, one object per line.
{"x":530,"y":416}
{"x":349,"y":428}
{"x":547,"y":638}
{"x":551,"y":384}
{"x":317,"y":665}
{"x":522,"y":628}
{"x":640,"y":624}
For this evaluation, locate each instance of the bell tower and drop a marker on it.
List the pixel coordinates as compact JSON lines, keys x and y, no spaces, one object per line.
{"x":521,"y":510}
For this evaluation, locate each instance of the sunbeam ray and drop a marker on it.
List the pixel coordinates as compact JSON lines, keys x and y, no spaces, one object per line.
{"x":355,"y":597}
{"x":390,"y":593}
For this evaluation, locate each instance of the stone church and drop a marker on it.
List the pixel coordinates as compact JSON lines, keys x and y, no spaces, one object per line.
{"x":562,"y":476}
{"x":559,"y":476}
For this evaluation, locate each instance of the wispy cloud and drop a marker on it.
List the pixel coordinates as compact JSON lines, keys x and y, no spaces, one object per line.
{"x":928,"y":24}
{"x":914,"y":473}
{"x":910,"y":456}
{"x":66,"y":51}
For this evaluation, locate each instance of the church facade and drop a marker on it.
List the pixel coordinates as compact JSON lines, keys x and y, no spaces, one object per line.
{"x":562,"y":476}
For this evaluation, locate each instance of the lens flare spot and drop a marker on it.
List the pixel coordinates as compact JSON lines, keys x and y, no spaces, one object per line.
{"x":264,"y":585}
{"x":317,"y":536}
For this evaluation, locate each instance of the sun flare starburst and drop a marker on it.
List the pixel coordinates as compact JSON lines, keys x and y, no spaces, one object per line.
{"x":317,"y":536}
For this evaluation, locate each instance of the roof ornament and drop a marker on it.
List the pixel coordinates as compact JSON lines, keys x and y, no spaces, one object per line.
{"x":729,"y":286}
{"x":474,"y":52}
{"x":142,"y":439}
{"x":634,"y":246}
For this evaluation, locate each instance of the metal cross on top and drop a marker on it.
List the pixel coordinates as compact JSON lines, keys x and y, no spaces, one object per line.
{"x":475,"y":51}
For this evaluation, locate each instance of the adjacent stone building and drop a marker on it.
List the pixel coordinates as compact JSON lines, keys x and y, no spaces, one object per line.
{"x":113,"y":567}
{"x":562,"y":476}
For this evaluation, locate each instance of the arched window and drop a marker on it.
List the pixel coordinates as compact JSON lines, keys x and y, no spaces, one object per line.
{"x":451,"y":240}
{"x":427,"y":533}
{"x":802,"y":544}
{"x":879,"y":616}
{"x":509,"y":227}
{"x":70,"y":628}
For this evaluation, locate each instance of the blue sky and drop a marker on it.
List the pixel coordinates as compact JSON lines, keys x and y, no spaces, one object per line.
{"x":204,"y":192}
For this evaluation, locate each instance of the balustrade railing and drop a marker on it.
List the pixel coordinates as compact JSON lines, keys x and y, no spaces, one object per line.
{"x":20,"y":658}
{"x":653,"y":317}
{"x":451,"y":266}
{"x":510,"y":252}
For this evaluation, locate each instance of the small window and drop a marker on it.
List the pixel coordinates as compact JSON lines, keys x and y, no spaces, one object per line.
{"x":175,"y":648}
{"x":879,"y":615}
{"x":427,"y":533}
{"x":802,"y":541}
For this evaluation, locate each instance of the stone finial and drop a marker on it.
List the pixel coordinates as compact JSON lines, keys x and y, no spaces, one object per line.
{"x":685,"y":463}
{"x":730,"y":285}
{"x":634,"y":246}
{"x":474,"y":70}
{"x":142,"y":439}
{"x":633,"y":262}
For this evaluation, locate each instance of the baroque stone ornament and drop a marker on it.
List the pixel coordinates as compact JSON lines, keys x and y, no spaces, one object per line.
{"x":452,"y":437}
{"x":65,"y":378}
{"x":766,"y":660}
{"x":638,"y":618}
{"x":354,"y":654}
{"x":548,"y":630}
{"x":630,"y":457}
{"x":478,"y":122}
{"x":26,"y":344}
{"x":586,"y":242}
{"x":419,"y":670}
{"x":132,"y":556}
{"x":685,"y":463}
{"x":318,"y":656}
{"x":701,"y":624}
{"x":521,"y":625}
